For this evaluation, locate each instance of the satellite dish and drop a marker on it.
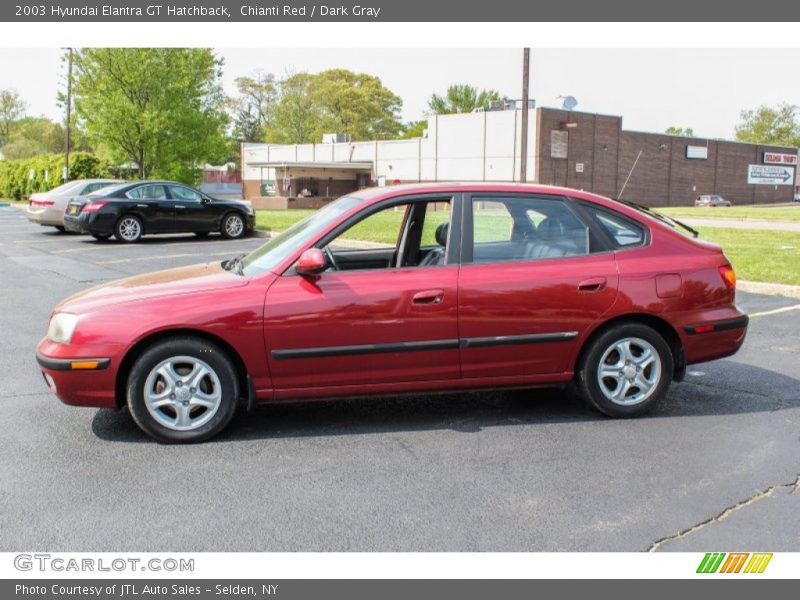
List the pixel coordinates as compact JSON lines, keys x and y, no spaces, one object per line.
{"x":568,"y":102}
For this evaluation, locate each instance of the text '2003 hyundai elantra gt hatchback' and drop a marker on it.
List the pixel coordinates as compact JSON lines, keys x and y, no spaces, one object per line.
{"x":457,"y":287}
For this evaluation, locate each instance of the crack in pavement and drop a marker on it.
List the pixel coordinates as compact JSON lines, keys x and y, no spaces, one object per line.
{"x":794,"y":486}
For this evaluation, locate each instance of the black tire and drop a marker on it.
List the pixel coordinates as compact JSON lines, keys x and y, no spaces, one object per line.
{"x":594,"y":389}
{"x":129,"y":229}
{"x":176,"y":350}
{"x":101,"y":237}
{"x":60,"y":228}
{"x":227,"y":226}
{"x":201,"y":234}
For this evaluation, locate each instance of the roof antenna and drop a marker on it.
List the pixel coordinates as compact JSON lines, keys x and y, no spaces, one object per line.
{"x":629,"y":175}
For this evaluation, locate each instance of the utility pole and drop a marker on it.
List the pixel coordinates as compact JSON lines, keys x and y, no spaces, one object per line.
{"x":523,"y":163}
{"x":69,"y":114}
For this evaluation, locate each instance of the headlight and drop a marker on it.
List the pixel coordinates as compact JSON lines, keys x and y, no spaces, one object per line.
{"x":62,"y":326}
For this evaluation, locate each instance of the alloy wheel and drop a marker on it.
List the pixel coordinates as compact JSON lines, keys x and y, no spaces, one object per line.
{"x":182,"y":393}
{"x":629,"y":371}
{"x":130,"y":229}
{"x":234,"y":226}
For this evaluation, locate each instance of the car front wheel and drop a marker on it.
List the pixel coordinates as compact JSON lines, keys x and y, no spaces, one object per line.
{"x":626,"y":371}
{"x":233,"y":226}
{"x":183,"y":390}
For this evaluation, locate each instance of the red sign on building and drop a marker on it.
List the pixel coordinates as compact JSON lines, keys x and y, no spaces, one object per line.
{"x":777,"y":158}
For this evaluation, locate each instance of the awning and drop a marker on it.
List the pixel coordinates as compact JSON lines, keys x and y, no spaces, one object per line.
{"x":353,"y":166}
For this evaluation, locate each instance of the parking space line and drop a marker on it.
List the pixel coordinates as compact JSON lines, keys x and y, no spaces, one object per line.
{"x":775,"y":311}
{"x":160,"y":257}
{"x":113,"y":246}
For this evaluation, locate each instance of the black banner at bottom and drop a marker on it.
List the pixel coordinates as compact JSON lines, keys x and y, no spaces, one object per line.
{"x":374,"y":589}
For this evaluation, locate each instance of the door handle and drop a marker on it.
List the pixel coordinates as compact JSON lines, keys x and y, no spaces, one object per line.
{"x":428,"y":297}
{"x":595,"y":284}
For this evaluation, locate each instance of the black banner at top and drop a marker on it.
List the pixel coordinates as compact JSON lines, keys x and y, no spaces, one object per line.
{"x":397,"y":10}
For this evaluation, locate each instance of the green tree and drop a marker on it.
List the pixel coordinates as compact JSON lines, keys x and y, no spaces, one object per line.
{"x":12,"y":107}
{"x":766,"y":125}
{"x":295,"y":119}
{"x":680,"y":131}
{"x":333,"y":101}
{"x":252,"y":107}
{"x":160,"y":109}
{"x":32,"y":136}
{"x":461,"y":98}
{"x":356,"y":104}
{"x":414,"y":129}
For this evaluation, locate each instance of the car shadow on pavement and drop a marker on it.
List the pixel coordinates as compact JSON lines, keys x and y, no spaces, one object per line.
{"x":735,"y":389}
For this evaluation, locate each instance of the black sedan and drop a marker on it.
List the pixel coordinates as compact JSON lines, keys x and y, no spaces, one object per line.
{"x":131,"y":210}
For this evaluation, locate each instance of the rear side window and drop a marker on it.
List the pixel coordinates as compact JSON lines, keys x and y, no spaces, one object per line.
{"x":149,"y":192}
{"x":525,"y":228}
{"x":623,"y":231}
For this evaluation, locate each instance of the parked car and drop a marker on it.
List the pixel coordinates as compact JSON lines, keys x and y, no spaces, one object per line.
{"x":482,"y":287}
{"x":47,"y":208}
{"x":131,"y":210}
{"x":711,"y":200}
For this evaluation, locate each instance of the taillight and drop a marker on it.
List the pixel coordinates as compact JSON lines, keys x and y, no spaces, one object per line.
{"x":93,"y":207}
{"x":728,"y":276}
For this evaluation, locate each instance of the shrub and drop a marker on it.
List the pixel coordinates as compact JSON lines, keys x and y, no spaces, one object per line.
{"x":15,"y":175}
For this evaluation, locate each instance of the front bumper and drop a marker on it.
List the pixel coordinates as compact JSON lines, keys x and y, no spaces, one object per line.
{"x":80,"y":376}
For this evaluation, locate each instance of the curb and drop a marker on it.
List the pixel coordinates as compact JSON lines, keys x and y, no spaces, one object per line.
{"x":771,"y":289}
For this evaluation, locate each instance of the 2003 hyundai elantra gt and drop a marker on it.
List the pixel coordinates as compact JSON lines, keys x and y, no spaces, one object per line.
{"x":459,"y":287}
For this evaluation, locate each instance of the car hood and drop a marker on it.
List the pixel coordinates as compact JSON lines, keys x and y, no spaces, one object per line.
{"x":171,"y":282}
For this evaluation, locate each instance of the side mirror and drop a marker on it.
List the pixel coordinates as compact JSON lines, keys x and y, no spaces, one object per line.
{"x":311,"y":262}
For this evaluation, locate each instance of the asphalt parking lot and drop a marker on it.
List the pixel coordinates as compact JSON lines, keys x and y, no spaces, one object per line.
{"x":714,"y":468}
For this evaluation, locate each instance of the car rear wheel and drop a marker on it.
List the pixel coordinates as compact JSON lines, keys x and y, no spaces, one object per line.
{"x":60,"y":228}
{"x":183,"y":390}
{"x":128,"y":229}
{"x":626,"y":371}
{"x":233,"y":226}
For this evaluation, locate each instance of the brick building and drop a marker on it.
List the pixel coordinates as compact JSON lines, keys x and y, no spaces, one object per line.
{"x":575,"y":149}
{"x":600,"y":155}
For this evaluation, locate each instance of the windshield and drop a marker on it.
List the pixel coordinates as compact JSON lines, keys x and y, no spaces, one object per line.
{"x":277,"y":249}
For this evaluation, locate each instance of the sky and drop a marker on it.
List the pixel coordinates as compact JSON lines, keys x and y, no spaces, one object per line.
{"x":652,"y":89}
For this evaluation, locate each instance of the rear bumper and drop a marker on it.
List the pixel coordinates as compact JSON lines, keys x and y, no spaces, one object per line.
{"x":714,"y":335}
{"x":93,"y":223}
{"x":50,"y":216}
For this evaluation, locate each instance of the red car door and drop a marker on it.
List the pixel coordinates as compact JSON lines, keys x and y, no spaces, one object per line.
{"x":529,"y":287}
{"x":372,"y":325}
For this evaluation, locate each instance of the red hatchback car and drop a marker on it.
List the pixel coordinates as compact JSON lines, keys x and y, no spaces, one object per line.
{"x":417,"y":288}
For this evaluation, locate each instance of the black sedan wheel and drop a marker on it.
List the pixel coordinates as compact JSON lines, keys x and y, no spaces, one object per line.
{"x":128,"y":229}
{"x":233,"y":226}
